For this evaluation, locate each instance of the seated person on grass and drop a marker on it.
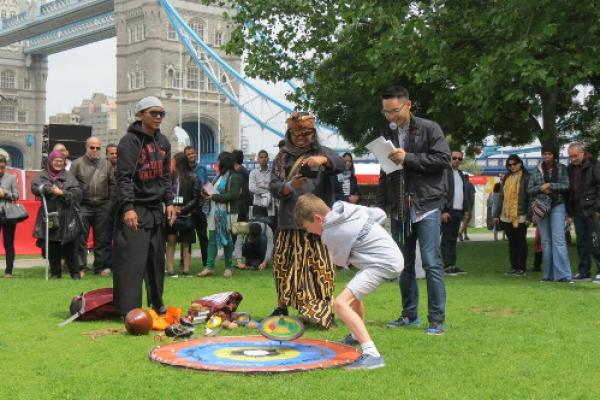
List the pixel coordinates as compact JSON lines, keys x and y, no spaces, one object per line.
{"x":354,"y":235}
{"x":256,"y":246}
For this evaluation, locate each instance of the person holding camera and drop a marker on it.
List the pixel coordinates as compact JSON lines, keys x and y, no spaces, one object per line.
{"x":303,"y":271}
{"x":186,"y":193}
{"x":62,"y":194}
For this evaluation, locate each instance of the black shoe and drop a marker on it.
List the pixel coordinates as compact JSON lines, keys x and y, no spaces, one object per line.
{"x":179,"y":331}
{"x":581,"y":277}
{"x":519,"y":272}
{"x":564,"y":280}
{"x":162,"y":310}
{"x":76,"y":276}
{"x":279,"y":311}
{"x":511,"y":272}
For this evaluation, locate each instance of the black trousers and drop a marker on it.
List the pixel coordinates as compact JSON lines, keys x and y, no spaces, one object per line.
{"x":8,"y":233}
{"x":449,"y":238}
{"x":58,"y":251}
{"x":139,"y":256}
{"x":202,"y":233}
{"x":517,"y":245}
{"x":96,"y":217}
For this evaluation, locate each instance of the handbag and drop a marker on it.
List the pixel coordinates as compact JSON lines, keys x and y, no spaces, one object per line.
{"x":541,"y":207}
{"x":183,"y":223}
{"x":13,"y":213}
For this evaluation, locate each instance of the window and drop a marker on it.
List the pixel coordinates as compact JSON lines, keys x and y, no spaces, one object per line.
{"x":7,"y":112}
{"x":7,"y":79}
{"x":176,"y":81}
{"x":197,"y":26}
{"x":202,"y":81}
{"x":171,"y":33}
{"x":22,"y":116}
{"x":26,"y":82}
{"x":192,"y":77}
{"x":136,"y":80}
{"x":218,"y":39}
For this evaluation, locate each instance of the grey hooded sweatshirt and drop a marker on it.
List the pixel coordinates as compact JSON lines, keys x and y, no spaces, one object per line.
{"x":354,"y":235}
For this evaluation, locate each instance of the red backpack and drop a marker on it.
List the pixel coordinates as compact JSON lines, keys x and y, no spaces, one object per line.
{"x":93,"y":305}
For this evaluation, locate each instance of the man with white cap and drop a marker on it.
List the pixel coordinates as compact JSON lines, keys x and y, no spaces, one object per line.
{"x":144,"y":195}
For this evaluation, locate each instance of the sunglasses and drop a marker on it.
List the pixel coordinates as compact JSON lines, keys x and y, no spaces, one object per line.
{"x":156,"y":114}
{"x":457,"y":158}
{"x":303,"y":133}
{"x":94,"y":147}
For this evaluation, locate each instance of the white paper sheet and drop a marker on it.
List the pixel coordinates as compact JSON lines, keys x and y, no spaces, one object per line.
{"x":381,"y":149}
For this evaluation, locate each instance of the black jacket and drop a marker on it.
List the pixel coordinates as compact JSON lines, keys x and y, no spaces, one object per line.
{"x":524,"y":200}
{"x":189,"y":190}
{"x":143,"y":169}
{"x":337,"y":184}
{"x":319,"y":186}
{"x":467,"y":198}
{"x":428,"y":155}
{"x":71,"y":198}
{"x":588,"y":198}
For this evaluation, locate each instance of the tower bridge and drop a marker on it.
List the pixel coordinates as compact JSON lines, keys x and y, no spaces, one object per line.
{"x":150,"y":62}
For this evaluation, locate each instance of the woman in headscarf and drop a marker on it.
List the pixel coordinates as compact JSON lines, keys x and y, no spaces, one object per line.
{"x":303,"y":271}
{"x":223,"y":213}
{"x":512,"y":210}
{"x":62,"y":191}
{"x":549,"y":184}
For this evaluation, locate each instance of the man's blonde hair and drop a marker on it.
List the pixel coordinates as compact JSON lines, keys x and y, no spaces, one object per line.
{"x":307,"y":206}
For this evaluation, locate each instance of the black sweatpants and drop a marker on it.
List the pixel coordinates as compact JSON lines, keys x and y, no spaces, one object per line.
{"x":139,"y":256}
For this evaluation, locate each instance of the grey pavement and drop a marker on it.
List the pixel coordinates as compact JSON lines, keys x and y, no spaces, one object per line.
{"x":22,"y":263}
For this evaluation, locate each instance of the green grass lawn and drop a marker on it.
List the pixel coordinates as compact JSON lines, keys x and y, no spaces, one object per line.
{"x":507,"y":338}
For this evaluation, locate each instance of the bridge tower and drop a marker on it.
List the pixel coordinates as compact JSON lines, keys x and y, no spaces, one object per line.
{"x":152,"y":62}
{"x":22,"y":98}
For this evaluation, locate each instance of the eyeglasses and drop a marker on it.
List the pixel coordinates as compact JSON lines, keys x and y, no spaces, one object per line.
{"x":156,"y":114}
{"x":303,"y":133}
{"x":94,"y":147}
{"x":457,"y":158}
{"x":392,"y":111}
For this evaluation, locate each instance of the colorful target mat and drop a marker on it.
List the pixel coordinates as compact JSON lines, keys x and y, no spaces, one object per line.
{"x":252,"y":354}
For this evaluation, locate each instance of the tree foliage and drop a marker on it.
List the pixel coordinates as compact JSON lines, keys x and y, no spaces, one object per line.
{"x":510,"y":68}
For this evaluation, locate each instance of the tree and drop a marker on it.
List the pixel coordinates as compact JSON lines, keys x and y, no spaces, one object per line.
{"x":510,"y":68}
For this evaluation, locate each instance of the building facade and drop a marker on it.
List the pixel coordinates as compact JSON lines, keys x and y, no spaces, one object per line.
{"x":151,"y":62}
{"x":22,"y":98}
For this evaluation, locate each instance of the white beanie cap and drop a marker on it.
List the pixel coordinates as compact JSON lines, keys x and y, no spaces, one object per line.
{"x":146,"y":103}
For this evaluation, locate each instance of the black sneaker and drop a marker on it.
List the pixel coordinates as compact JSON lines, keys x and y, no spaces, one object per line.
{"x":279,"y":311}
{"x":581,"y":277}
{"x":172,"y":274}
{"x":519,"y":272}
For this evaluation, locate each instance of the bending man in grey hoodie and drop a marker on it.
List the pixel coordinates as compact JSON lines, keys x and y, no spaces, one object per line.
{"x":353,"y":235}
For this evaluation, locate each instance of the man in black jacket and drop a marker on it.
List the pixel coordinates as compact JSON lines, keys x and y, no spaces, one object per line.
{"x":144,"y":197}
{"x":457,"y":208}
{"x":413,"y":197}
{"x":96,"y":179}
{"x":584,"y":200}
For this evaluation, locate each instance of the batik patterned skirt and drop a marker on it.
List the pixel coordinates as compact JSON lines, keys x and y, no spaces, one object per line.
{"x":304,"y":275}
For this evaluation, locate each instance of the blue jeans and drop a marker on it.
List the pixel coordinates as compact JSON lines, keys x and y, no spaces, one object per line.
{"x":554,"y":246}
{"x":584,"y":243}
{"x":427,"y":232}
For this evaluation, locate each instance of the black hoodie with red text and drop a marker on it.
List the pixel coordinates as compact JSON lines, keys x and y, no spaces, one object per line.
{"x":143,"y":169}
